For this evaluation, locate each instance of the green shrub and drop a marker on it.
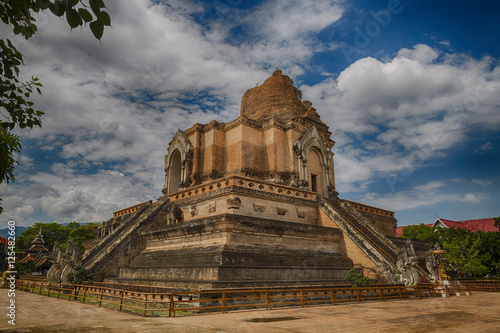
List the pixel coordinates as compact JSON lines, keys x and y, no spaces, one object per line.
{"x":356,"y":279}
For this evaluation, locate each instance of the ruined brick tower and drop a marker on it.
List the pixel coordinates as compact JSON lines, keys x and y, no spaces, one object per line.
{"x":249,"y":203}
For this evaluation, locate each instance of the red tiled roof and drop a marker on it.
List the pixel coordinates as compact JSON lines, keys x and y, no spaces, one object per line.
{"x":448,"y":223}
{"x":29,"y":257}
{"x":471,"y":225}
{"x":3,"y":240}
{"x":38,"y":260}
{"x":481,"y":224}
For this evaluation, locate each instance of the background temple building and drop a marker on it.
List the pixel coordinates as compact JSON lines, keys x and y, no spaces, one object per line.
{"x":37,"y":253}
{"x":251,"y":203}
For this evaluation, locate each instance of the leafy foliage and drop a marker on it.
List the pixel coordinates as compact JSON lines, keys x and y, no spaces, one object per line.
{"x":422,"y":232}
{"x":79,"y":276}
{"x":83,"y":233}
{"x":470,"y":253}
{"x":9,"y":145}
{"x":497,"y":222}
{"x":22,"y":269}
{"x":464,"y":252}
{"x":16,"y":108}
{"x":355,"y":278}
{"x":52,"y":232}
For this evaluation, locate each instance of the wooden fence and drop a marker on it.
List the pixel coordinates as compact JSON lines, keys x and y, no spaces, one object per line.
{"x":173,"y":303}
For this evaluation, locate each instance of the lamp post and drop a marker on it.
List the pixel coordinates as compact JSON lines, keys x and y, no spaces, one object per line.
{"x":438,"y":259}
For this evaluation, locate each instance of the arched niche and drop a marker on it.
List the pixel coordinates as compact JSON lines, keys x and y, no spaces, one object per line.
{"x":313,"y":160}
{"x":315,"y":171}
{"x":178,"y":163}
{"x":174,"y":175}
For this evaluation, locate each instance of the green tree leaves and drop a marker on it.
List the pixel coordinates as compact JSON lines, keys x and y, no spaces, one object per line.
{"x":73,"y":18}
{"x":97,"y":28}
{"x":52,"y":232}
{"x":464,"y":252}
{"x":9,"y":145}
{"x":474,"y":253}
{"x":421,"y":232}
{"x":85,"y":15}
{"x":355,"y":278}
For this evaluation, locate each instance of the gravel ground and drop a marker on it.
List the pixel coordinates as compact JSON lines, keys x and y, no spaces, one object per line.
{"x":477,"y":313}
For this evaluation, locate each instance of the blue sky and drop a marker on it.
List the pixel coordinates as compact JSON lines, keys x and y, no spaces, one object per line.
{"x":410,"y":90}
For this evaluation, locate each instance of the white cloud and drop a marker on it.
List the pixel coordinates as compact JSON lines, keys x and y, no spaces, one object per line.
{"x":112,"y":107}
{"x":420,"y":103}
{"x":472,"y":197}
{"x":427,"y":195}
{"x":484,"y":148}
{"x":279,"y":19}
{"x":431,"y":186}
{"x":482,"y":182}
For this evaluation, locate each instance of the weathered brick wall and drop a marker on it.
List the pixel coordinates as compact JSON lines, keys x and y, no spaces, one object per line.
{"x":382,"y":219}
{"x":275,"y":97}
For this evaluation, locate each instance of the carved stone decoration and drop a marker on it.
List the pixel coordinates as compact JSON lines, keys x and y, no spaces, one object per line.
{"x":177,"y":214}
{"x":161,"y":219}
{"x":212,"y":207}
{"x":332,"y":194}
{"x":430,"y":264}
{"x":177,"y":174}
{"x":301,"y":214}
{"x":312,"y":140}
{"x":233,"y":203}
{"x":54,"y":274}
{"x":406,"y":263}
{"x":281,"y":211}
{"x":193,"y":210}
{"x":63,"y":264}
{"x":258,"y":208}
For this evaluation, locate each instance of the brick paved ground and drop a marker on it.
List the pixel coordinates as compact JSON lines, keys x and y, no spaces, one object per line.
{"x":477,"y":313}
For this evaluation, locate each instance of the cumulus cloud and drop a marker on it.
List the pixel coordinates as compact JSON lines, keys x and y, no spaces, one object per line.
{"x":111,"y":108}
{"x":427,"y":195}
{"x":408,"y":109}
{"x":277,"y":20}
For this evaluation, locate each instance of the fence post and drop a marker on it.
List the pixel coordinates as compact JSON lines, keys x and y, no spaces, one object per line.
{"x":172,"y":306}
{"x":84,"y":293}
{"x":334,"y":297}
{"x":224,"y":301}
{"x":71,"y":292}
{"x":400,"y":293}
{"x":357,"y":294}
{"x":268,"y":304}
{"x":146,"y":305}
{"x":121,"y":300}
{"x":59,"y":290}
{"x":302,"y":297}
{"x":381,"y":294}
{"x":100,"y":298}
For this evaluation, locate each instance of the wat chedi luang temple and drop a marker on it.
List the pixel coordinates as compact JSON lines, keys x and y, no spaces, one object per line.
{"x":253,"y":203}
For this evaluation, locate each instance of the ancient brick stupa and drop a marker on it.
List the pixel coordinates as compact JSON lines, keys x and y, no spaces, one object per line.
{"x":250,"y":203}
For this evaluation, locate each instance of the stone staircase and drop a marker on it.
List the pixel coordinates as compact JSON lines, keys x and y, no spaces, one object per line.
{"x":128,"y":230}
{"x":367,"y":237}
